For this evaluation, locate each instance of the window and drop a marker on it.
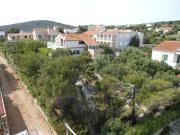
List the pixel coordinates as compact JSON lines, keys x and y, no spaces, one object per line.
{"x":39,"y":36}
{"x":76,"y":52}
{"x":178,"y":59}
{"x":61,"y":41}
{"x":164,"y":57}
{"x":81,"y":42}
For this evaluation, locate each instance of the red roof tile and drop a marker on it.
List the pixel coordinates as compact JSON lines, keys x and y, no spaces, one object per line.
{"x":77,"y":37}
{"x":92,"y":32}
{"x":13,"y":34}
{"x":26,"y":33}
{"x":169,"y":46}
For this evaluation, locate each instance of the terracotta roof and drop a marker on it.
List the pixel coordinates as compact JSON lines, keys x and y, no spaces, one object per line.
{"x":73,"y":37}
{"x":13,"y":34}
{"x":78,"y":37}
{"x":169,"y":46}
{"x":26,"y":33}
{"x":92,"y":32}
{"x":87,"y":39}
{"x":19,"y":34}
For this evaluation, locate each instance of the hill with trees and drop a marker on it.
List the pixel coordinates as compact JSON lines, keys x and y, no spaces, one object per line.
{"x":28,"y":26}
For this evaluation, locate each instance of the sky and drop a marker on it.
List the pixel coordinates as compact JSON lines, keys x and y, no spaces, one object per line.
{"x":81,"y":12}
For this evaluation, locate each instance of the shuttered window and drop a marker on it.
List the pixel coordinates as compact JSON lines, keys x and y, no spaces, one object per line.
{"x":164,"y":57}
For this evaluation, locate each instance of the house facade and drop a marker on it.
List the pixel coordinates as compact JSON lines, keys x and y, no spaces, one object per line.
{"x":118,"y":39}
{"x":77,"y":43}
{"x":99,"y":27}
{"x":165,"y":29}
{"x":44,"y":34}
{"x":167,"y":51}
{"x":2,"y":34}
{"x":21,"y":35}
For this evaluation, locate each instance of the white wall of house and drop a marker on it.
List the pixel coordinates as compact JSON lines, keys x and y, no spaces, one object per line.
{"x":81,"y":50}
{"x":12,"y":38}
{"x":171,"y":60}
{"x":95,"y":52}
{"x":39,"y":36}
{"x":103,"y":38}
{"x":119,"y":40}
{"x":9,"y":38}
{"x":73,"y":45}
{"x":61,"y":41}
{"x":123,"y":39}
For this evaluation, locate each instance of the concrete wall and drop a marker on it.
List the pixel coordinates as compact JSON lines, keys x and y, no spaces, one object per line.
{"x":172,"y":57}
{"x":95,"y":52}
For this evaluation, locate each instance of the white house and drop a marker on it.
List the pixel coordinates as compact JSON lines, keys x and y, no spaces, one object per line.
{"x":99,"y":27}
{"x":165,"y":29}
{"x":44,"y":34}
{"x":77,"y":43}
{"x":66,"y":29}
{"x":118,"y":39}
{"x":2,"y":33}
{"x":148,"y":25}
{"x":167,"y":51}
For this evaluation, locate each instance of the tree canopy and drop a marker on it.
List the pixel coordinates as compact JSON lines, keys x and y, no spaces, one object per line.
{"x":94,"y":96}
{"x":135,"y":42}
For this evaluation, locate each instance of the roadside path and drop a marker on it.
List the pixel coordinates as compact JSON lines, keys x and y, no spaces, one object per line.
{"x":22,"y":113}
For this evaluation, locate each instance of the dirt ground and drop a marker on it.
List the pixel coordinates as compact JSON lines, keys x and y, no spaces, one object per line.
{"x":22,"y":113}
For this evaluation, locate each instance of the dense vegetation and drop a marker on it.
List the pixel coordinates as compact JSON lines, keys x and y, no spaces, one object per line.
{"x":95,"y":97}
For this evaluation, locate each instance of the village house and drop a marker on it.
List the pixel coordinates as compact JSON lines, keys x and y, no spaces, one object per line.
{"x":77,"y":43}
{"x":167,"y":51}
{"x":2,"y":34}
{"x":41,"y":34}
{"x":99,"y":27}
{"x":165,"y":29}
{"x":66,"y":29}
{"x":118,"y":39}
{"x":44,"y":34}
{"x":20,"y":35}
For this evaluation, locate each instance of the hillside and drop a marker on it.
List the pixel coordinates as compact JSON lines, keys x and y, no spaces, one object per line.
{"x":28,"y":26}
